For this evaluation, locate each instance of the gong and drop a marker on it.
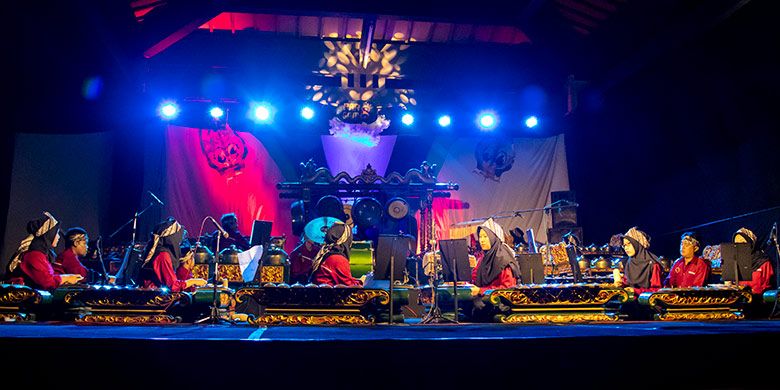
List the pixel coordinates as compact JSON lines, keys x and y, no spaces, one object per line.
{"x":366,"y":212}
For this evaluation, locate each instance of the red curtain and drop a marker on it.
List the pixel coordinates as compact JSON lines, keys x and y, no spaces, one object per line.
{"x":195,"y":189}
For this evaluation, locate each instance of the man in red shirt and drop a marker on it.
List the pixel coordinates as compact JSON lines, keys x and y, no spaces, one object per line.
{"x":68,"y":262}
{"x":689,"y":270}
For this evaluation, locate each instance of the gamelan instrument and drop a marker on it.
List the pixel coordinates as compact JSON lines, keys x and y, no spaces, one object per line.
{"x":316,"y":228}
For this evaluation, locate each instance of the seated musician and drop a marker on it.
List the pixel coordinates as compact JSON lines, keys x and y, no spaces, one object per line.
{"x":497,"y":268}
{"x":69,"y":261}
{"x":301,"y":260}
{"x":229,"y":222}
{"x":32,"y":262}
{"x":161,"y":258}
{"x":642,"y":272}
{"x":761,"y":279}
{"x":689,"y":270}
{"x":186,"y":264}
{"x":331,"y":265}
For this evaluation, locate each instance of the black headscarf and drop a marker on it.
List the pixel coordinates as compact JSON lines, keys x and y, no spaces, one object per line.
{"x":495,"y":259}
{"x":166,"y":237}
{"x":338,"y":241}
{"x":40,"y":237}
{"x":639,"y":268}
{"x":43,"y":243}
{"x":757,"y":255}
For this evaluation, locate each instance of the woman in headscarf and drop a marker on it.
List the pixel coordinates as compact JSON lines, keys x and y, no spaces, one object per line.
{"x":331,"y":265}
{"x":642,"y":272}
{"x":161,"y":257}
{"x":32,"y":262}
{"x":761,"y":279}
{"x":497,"y":268}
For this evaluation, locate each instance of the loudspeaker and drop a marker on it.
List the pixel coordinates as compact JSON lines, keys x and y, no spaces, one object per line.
{"x":555,"y":235}
{"x":566,"y":216}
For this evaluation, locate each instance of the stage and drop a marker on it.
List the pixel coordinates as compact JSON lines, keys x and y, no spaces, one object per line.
{"x":647,"y":354}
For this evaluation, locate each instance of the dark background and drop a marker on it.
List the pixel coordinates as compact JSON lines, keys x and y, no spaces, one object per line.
{"x":675,"y":127}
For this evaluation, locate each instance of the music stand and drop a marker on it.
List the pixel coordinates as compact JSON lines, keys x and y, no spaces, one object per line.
{"x":531,"y":268}
{"x":736,"y":262}
{"x":455,"y":266}
{"x":389,"y":248}
{"x":261,"y":233}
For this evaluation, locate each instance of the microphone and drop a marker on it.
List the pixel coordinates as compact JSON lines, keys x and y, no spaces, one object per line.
{"x":221,"y":230}
{"x":156,"y":198}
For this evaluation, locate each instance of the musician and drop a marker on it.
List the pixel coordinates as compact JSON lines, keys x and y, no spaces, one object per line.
{"x":32,"y":262}
{"x":229,"y":222}
{"x":573,"y":252}
{"x":301,"y":260}
{"x":689,"y":270}
{"x":497,"y":268}
{"x":761,"y":279}
{"x":161,"y":258}
{"x":69,"y":261}
{"x":187,"y":263}
{"x":642,"y":270}
{"x":331,"y":264}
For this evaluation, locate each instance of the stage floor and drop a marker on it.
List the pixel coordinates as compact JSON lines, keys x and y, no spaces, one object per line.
{"x":386,"y":332}
{"x":710,"y":355}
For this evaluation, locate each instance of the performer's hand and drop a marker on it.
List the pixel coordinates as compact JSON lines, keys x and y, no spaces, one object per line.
{"x":198,"y":282}
{"x":70,"y":278}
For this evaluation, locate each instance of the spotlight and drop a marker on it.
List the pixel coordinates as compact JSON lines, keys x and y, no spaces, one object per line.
{"x":487,"y":120}
{"x":445,"y":120}
{"x":216,"y":112}
{"x":169,"y":110}
{"x":531,"y":122}
{"x":307,"y":113}
{"x":262,"y":113}
{"x":407,"y":119}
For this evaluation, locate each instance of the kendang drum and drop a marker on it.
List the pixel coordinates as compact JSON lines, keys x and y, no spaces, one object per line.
{"x":361,"y":258}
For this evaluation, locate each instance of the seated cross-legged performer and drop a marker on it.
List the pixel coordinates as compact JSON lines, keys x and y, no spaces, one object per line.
{"x":689,"y":270}
{"x":761,"y":279}
{"x":68,"y":262}
{"x":161,"y":258}
{"x":331,"y":265}
{"x":642,"y":272}
{"x":497,"y":268}
{"x":32,"y":263}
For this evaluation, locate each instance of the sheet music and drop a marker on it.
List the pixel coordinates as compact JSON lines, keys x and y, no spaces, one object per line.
{"x":248,"y":261}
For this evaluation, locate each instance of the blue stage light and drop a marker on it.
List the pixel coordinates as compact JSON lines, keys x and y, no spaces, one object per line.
{"x":445,"y":120}
{"x":169,"y":110}
{"x":487,"y":120}
{"x":216,"y":112}
{"x":307,"y":113}
{"x":531,"y":122}
{"x":262,"y":113}
{"x":407,"y":119}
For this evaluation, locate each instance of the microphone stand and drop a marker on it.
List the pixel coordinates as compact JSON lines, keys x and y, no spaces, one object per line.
{"x":214,"y":317}
{"x":100,"y":258}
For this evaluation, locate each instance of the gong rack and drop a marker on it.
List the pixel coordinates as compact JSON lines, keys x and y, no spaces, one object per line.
{"x":417,"y":184}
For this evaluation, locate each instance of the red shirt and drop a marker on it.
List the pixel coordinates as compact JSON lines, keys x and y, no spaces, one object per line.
{"x":163,"y":269}
{"x":506,"y":279}
{"x":694,"y":274}
{"x":761,"y":279}
{"x":334,"y":270}
{"x":655,"y":281}
{"x":38,"y":272}
{"x":182,"y":273}
{"x":300,"y":262}
{"x":68,"y":263}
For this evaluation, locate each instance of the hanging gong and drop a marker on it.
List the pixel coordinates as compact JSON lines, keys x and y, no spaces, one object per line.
{"x":397,"y":208}
{"x":366,"y":212}
{"x":298,"y":217}
{"x":330,"y":206}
